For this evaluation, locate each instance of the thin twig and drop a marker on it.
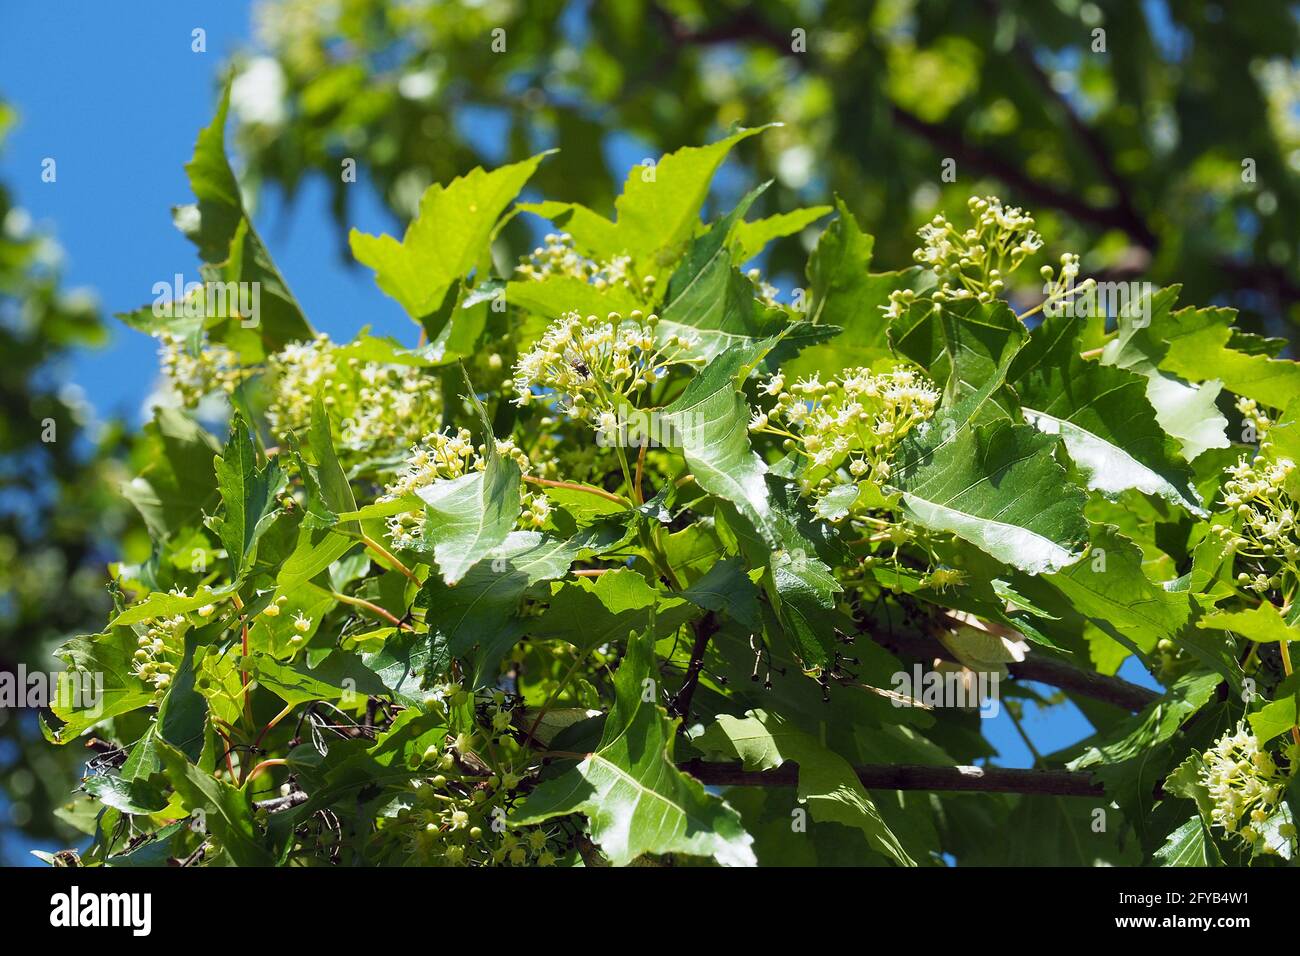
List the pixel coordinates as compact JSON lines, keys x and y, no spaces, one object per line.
{"x":278,"y":804}
{"x":388,"y":557}
{"x":574,"y":486}
{"x":640,"y":469}
{"x":1112,"y":690}
{"x":704,"y":628}
{"x":264,"y":765}
{"x":372,"y":608}
{"x":1064,"y":783}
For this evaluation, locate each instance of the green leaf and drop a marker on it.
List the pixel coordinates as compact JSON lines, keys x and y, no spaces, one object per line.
{"x":468,"y":517}
{"x":554,"y":295}
{"x":1184,"y":410}
{"x":166,"y":604}
{"x":1110,"y":588}
{"x":183,"y":713}
{"x":330,"y":477}
{"x":806,"y":589}
{"x":827,"y":783}
{"x":233,"y":252}
{"x":249,"y":494}
{"x":1190,"y":845}
{"x":997,"y":486}
{"x":1263,"y":623}
{"x":143,"y":761}
{"x":448,"y":236}
{"x":1199,"y":346}
{"x":843,"y":293}
{"x":401,"y":664}
{"x":179,"y":484}
{"x":708,"y":300}
{"x":1102,"y":414}
{"x":590,"y":613}
{"x":227,"y":813}
{"x":658,"y":211}
{"x":801,"y":586}
{"x":709,"y":424}
{"x":1279,"y":715}
{"x":129,"y":796}
{"x":727,"y":589}
{"x":1134,"y":737}
{"x":965,"y":346}
{"x":1060,"y":831}
{"x":635,"y":798}
{"x":98,"y":683}
{"x":154,"y":853}
{"x":749,"y":238}
{"x":316,"y":550}
{"x":339,"y":675}
{"x":482,"y":609}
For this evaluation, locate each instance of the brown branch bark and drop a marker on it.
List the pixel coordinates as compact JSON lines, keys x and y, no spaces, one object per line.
{"x":705,"y":627}
{"x":953,"y":143}
{"x":1124,"y":208}
{"x":1063,"y":783}
{"x":1111,"y":690}
{"x":1122,"y":215}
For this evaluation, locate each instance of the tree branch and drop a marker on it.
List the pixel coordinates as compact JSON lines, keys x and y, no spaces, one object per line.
{"x":278,"y":804}
{"x":1125,"y":209}
{"x":953,"y":143}
{"x":1111,"y":690}
{"x":1121,"y":216}
{"x":1063,"y":783}
{"x":705,"y":627}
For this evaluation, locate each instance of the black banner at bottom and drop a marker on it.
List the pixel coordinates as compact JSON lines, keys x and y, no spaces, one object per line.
{"x":299,"y":905}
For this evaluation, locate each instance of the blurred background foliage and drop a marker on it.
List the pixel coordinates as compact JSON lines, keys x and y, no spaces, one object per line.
{"x":1124,"y":125}
{"x":60,"y":513}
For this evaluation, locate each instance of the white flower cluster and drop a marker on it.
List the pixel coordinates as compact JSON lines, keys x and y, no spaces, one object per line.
{"x":1255,"y":417}
{"x":976,"y":259}
{"x":374,"y":406}
{"x":452,"y":819}
{"x":152,"y":661}
{"x":764,"y":291}
{"x":974,"y":263}
{"x":440,"y":456}
{"x":1264,"y":533}
{"x":598,"y":366}
{"x":847,"y":428}
{"x":1245,"y":783}
{"x":194,"y":376}
{"x":559,"y":257}
{"x":537,"y":511}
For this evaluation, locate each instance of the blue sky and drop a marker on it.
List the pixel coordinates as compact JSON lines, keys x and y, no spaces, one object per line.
{"x":116,"y":98}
